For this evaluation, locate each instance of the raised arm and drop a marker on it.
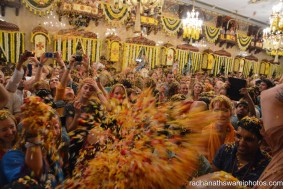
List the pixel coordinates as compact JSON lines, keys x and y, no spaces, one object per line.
{"x":33,"y":156}
{"x":248,"y":98}
{"x":65,"y":77}
{"x":18,"y":74}
{"x":38,"y":74}
{"x":272,"y":107}
{"x":4,"y":96}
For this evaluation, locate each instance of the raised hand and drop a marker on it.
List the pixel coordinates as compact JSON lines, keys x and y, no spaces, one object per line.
{"x":77,"y":106}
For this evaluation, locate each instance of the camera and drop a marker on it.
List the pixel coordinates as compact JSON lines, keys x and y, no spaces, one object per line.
{"x":50,"y":55}
{"x":29,"y":54}
{"x":79,"y":58}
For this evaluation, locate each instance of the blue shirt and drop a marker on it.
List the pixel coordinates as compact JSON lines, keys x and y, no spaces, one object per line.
{"x":225,"y":160}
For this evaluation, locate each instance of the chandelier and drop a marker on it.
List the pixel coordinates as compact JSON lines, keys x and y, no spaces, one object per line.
{"x":273,"y":35}
{"x":51,"y":22}
{"x":192,"y":25}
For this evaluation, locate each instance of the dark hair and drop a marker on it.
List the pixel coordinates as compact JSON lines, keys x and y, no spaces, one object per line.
{"x":252,"y":125}
{"x":267,"y":82}
{"x":242,"y":102}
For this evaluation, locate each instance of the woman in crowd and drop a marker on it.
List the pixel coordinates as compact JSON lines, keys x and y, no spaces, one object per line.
{"x":35,"y":159}
{"x":118,"y":93}
{"x":83,"y":114}
{"x":222,"y":131}
{"x":197,"y":90}
{"x":8,"y":131}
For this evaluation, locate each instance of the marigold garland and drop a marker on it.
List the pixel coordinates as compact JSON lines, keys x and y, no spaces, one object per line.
{"x":212,"y":33}
{"x":39,"y":7}
{"x":113,"y":15}
{"x":243,"y":41}
{"x":150,"y":147}
{"x":171,"y":25}
{"x":12,"y":44}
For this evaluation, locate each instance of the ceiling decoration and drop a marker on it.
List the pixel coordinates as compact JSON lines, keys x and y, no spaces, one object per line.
{"x":273,"y":35}
{"x":39,"y":7}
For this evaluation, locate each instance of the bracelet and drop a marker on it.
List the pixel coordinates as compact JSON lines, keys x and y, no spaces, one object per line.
{"x":99,"y":92}
{"x":30,"y":144}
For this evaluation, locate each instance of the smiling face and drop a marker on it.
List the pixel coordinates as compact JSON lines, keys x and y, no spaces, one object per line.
{"x":246,"y":142}
{"x":184,"y":89}
{"x":223,"y":113}
{"x":197,"y":89}
{"x":8,"y":131}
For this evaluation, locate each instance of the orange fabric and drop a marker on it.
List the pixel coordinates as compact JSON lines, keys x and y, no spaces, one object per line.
{"x":214,"y":142}
{"x":273,"y":172}
{"x":60,"y":92}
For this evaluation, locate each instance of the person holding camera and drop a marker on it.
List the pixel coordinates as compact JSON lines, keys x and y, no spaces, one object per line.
{"x":87,"y":110}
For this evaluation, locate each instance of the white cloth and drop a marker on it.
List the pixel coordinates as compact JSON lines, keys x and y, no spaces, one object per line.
{"x":98,"y":66}
{"x":13,"y":83}
{"x":14,"y":103}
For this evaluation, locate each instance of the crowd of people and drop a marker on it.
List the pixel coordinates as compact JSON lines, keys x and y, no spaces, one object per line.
{"x":55,"y":119}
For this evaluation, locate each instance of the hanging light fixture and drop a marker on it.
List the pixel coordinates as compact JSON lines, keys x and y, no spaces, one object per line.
{"x":51,"y":22}
{"x":192,"y":25}
{"x":273,"y":35}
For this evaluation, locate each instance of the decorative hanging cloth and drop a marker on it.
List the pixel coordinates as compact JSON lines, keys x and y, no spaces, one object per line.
{"x":189,"y":55}
{"x":171,"y":25}
{"x":265,"y":67}
{"x":224,"y":60}
{"x":40,"y":7}
{"x":131,"y":52}
{"x":250,"y":62}
{"x":12,"y":45}
{"x":243,"y":41}
{"x":212,"y":33}
{"x":115,"y":16}
{"x":66,"y":42}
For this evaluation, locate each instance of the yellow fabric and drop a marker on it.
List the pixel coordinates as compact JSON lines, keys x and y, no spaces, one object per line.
{"x":214,"y":139}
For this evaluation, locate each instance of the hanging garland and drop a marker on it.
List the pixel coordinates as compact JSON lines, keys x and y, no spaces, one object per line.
{"x":131,"y":52}
{"x":39,"y":7}
{"x":191,"y":33}
{"x":171,"y":25}
{"x":222,"y":61}
{"x":212,"y":33}
{"x":12,"y":45}
{"x":243,"y":41}
{"x":68,"y":46}
{"x":115,"y":16}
